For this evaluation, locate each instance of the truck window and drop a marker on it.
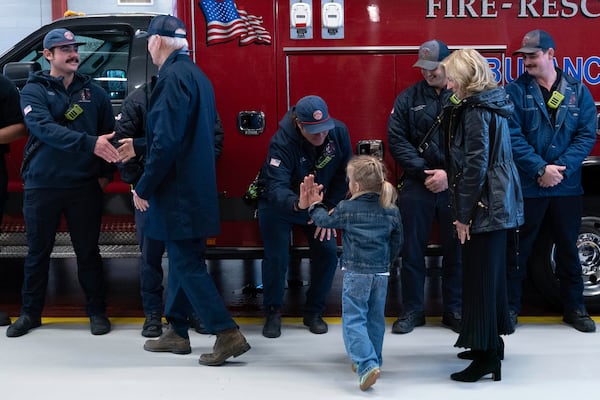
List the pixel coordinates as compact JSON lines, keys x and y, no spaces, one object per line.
{"x":104,"y":57}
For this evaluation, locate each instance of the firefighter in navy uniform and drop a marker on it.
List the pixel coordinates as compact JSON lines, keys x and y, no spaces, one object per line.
{"x":65,"y":165}
{"x":308,"y":141}
{"x":11,"y":128}
{"x":416,"y":143}
{"x":549,"y":144}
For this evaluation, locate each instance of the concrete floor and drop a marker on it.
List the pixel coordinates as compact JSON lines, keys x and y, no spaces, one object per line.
{"x":545,"y":359}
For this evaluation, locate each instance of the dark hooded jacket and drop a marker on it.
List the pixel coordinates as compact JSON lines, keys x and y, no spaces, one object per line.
{"x":538,"y":139}
{"x":413,"y":115}
{"x":59,"y":151}
{"x":485,"y":190}
{"x":291,"y":158}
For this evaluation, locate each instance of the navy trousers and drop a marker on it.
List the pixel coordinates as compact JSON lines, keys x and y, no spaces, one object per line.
{"x":419,"y":207}
{"x":562,"y":216}
{"x":151,"y":270}
{"x":82,"y":208}
{"x":191,"y":289}
{"x":276,"y":227}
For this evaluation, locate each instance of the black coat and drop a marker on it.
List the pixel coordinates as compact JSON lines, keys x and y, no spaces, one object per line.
{"x":485,"y":190}
{"x":414,"y":113}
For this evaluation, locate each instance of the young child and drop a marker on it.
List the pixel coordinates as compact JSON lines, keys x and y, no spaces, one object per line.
{"x":372,"y":238}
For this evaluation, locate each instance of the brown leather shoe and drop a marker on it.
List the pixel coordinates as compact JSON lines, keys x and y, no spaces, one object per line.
{"x":169,"y":342}
{"x":229,"y":343}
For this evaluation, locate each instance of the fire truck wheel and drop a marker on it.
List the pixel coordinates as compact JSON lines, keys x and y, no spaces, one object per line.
{"x":542,"y":265}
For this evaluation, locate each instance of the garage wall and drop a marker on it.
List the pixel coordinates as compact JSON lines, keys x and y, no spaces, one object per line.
{"x":19,"y":18}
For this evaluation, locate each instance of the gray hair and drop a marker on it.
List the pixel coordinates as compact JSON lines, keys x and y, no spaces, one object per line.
{"x":175,"y":43}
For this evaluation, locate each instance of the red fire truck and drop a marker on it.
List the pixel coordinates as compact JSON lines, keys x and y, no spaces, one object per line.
{"x":262,"y":56}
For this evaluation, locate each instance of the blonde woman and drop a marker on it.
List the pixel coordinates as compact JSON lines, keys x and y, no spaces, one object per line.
{"x":485,"y":196}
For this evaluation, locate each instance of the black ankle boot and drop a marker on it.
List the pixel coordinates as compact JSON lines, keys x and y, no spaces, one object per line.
{"x":480,"y":367}
{"x":472,"y":354}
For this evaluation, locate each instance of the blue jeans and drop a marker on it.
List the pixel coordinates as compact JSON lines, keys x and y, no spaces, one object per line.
{"x":275,"y":228}
{"x":151,"y":271}
{"x":561,"y":216}
{"x":82,"y":208}
{"x":363,"y":318}
{"x":418,"y":207}
{"x":191,"y":288}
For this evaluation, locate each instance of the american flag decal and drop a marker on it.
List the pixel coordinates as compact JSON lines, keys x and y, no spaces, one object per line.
{"x":225,"y":22}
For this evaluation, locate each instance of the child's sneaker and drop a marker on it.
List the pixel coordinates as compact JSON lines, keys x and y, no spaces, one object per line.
{"x":369,"y":379}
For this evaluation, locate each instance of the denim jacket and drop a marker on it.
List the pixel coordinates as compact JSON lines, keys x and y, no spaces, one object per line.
{"x":372,"y":235}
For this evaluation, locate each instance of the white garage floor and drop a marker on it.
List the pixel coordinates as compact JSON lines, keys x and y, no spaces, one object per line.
{"x":545,"y":359}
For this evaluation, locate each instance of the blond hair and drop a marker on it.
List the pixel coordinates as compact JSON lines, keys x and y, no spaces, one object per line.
{"x":470,"y":70}
{"x":369,"y":173}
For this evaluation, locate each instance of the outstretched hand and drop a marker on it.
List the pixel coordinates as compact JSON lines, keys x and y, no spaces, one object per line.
{"x":126,"y":149}
{"x":105,"y":150}
{"x":310,"y":192}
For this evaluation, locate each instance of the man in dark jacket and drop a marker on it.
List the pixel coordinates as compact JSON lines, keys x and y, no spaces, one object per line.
{"x":11,"y":128}
{"x":130,"y":135}
{"x":308,"y":141}
{"x":70,"y":122}
{"x":178,"y":191}
{"x":552,"y":129}
{"x":417,"y":144}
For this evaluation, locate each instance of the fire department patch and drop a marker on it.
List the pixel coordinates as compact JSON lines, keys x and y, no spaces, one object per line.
{"x":317,"y":115}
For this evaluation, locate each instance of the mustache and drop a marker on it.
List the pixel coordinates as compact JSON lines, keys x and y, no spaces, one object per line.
{"x":73,"y":59}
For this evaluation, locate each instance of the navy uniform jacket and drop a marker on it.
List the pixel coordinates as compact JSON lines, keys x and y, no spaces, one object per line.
{"x":537,"y":140}
{"x":179,"y":175}
{"x":414,"y":113}
{"x":65,"y":158}
{"x":291,"y":158}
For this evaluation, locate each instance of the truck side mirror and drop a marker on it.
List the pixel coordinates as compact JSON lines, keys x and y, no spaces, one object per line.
{"x":18,"y":72}
{"x":114,"y":81}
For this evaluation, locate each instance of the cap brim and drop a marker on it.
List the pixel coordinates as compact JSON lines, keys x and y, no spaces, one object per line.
{"x":313,"y":129}
{"x":527,"y":50}
{"x":425,"y":64}
{"x":68,"y":43}
{"x":139,"y":34}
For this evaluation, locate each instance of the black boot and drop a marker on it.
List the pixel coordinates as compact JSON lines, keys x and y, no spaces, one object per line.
{"x":487,"y":362}
{"x":472,"y":354}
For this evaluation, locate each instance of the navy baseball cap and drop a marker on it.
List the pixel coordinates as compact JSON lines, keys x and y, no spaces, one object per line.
{"x":312,"y":112}
{"x":431,"y":53}
{"x":60,"y":37}
{"x":164,"y":25}
{"x":534,"y":41}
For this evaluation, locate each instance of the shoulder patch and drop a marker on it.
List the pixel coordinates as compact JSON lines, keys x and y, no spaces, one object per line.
{"x":274,"y":162}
